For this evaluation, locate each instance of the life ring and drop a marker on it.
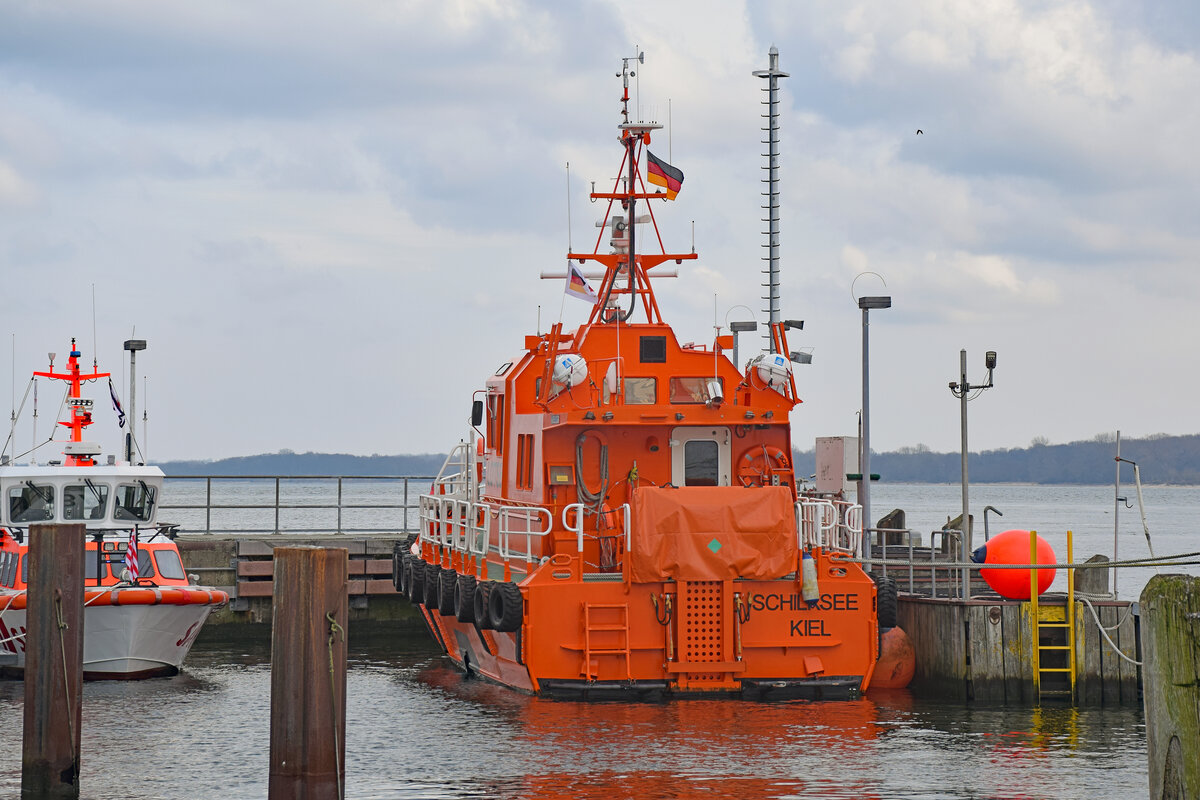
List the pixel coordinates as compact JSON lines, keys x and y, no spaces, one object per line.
{"x":757,"y":464}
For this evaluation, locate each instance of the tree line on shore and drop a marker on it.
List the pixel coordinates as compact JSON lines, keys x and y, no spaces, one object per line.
{"x":1162,"y":459}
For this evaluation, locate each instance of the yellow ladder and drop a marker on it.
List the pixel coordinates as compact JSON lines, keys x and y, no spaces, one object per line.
{"x":1052,"y":617}
{"x":608,"y":623}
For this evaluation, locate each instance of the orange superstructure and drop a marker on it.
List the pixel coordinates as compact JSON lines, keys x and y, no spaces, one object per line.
{"x":639,"y":530}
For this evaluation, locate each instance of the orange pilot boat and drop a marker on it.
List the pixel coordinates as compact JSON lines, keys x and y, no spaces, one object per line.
{"x":142,"y":612}
{"x":640,"y":531}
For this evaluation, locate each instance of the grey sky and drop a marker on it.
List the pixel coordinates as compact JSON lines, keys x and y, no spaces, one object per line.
{"x":328,"y":219}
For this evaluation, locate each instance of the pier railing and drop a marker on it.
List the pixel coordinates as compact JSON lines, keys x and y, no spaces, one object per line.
{"x":299,"y":504}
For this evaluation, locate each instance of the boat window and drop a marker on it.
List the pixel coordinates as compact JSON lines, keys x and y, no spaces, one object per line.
{"x":700,"y":463}
{"x":135,"y":502}
{"x":638,"y":392}
{"x":30,"y":502}
{"x":85,"y":501}
{"x":691,"y":390}
{"x":112,"y":564}
{"x":9,"y":569}
{"x":169,"y":565}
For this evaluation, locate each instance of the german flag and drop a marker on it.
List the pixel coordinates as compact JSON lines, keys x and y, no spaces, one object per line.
{"x":663,"y":174}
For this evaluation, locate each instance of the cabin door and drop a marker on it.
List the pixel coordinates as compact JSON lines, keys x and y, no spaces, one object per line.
{"x":700,"y":456}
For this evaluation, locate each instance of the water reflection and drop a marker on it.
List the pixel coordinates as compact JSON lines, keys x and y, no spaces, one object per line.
{"x":417,"y":729}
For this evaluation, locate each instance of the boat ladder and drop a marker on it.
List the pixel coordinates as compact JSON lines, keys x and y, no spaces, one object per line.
{"x":605,"y":633}
{"x":1053,"y":635}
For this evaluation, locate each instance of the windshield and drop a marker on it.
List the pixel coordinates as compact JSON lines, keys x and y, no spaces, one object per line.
{"x":135,"y":502}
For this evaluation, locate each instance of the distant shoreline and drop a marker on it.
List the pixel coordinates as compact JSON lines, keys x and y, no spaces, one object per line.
{"x":1163,"y":461}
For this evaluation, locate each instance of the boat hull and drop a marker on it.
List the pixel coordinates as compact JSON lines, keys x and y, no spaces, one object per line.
{"x":606,"y":639}
{"x":119,"y":642}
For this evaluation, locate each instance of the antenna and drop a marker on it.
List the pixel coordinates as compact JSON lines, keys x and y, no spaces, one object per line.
{"x":569,"y":247}
{"x":145,"y":418}
{"x":95,"y":344}
{"x":772,"y":74}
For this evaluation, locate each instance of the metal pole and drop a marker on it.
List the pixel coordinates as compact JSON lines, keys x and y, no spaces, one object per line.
{"x":772,"y":75}
{"x":132,"y":405}
{"x":133,"y":346}
{"x":1116,"y":513}
{"x":966,"y":503}
{"x":865,"y":500}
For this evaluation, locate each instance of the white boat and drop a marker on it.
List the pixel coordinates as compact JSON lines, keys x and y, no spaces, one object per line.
{"x":142,"y":611}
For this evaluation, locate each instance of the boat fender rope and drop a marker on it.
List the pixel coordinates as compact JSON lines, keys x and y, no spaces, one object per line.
{"x":62,"y":648}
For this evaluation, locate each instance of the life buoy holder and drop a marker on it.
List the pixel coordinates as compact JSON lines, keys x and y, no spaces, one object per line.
{"x":757,"y":464}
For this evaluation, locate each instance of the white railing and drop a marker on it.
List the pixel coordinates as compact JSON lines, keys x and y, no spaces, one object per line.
{"x":835,"y":526}
{"x":520,"y":521}
{"x":576,"y":526}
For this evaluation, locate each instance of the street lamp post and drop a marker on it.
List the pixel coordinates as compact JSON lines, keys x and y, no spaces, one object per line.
{"x":962,"y":390}
{"x":864,"y":495}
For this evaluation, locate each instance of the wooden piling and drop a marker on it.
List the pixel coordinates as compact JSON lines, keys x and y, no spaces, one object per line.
{"x":1170,"y":612}
{"x":308,"y":674}
{"x":53,"y":662}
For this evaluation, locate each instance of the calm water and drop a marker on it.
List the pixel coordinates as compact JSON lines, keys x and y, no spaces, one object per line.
{"x":417,"y":729}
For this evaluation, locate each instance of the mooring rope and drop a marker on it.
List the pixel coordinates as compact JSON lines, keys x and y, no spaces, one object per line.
{"x":1182,"y":559}
{"x":334,"y":629}
{"x":62,"y":648}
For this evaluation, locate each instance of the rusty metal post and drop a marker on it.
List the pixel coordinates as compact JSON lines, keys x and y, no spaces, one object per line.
{"x":53,"y":662}
{"x":308,"y":674}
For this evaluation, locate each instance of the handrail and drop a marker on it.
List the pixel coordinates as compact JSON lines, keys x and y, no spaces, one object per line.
{"x":530,"y":514}
{"x":576,"y":527}
{"x":831,"y":525}
{"x":272,"y":497}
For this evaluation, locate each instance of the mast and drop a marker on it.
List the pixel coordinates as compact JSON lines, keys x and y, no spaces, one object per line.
{"x":81,"y":407}
{"x":133,"y":346}
{"x":622,"y":222}
{"x":772,"y":74}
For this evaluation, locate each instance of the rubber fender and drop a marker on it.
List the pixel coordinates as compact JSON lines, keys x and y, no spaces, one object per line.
{"x":432,"y":573}
{"x":480,"y":604}
{"x":464,"y":598}
{"x":447,"y":580}
{"x":505,"y":607}
{"x":416,"y":580}
{"x":886,"y":600}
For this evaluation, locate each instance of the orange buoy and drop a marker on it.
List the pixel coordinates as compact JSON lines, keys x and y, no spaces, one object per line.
{"x":1012,"y":547}
{"x":897,"y":661}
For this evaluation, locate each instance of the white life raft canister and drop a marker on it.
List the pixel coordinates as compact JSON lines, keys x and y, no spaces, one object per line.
{"x":569,"y":370}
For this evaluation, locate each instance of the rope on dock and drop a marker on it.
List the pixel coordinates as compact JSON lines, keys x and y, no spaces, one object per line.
{"x":1161,"y":561}
{"x":1104,"y":631}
